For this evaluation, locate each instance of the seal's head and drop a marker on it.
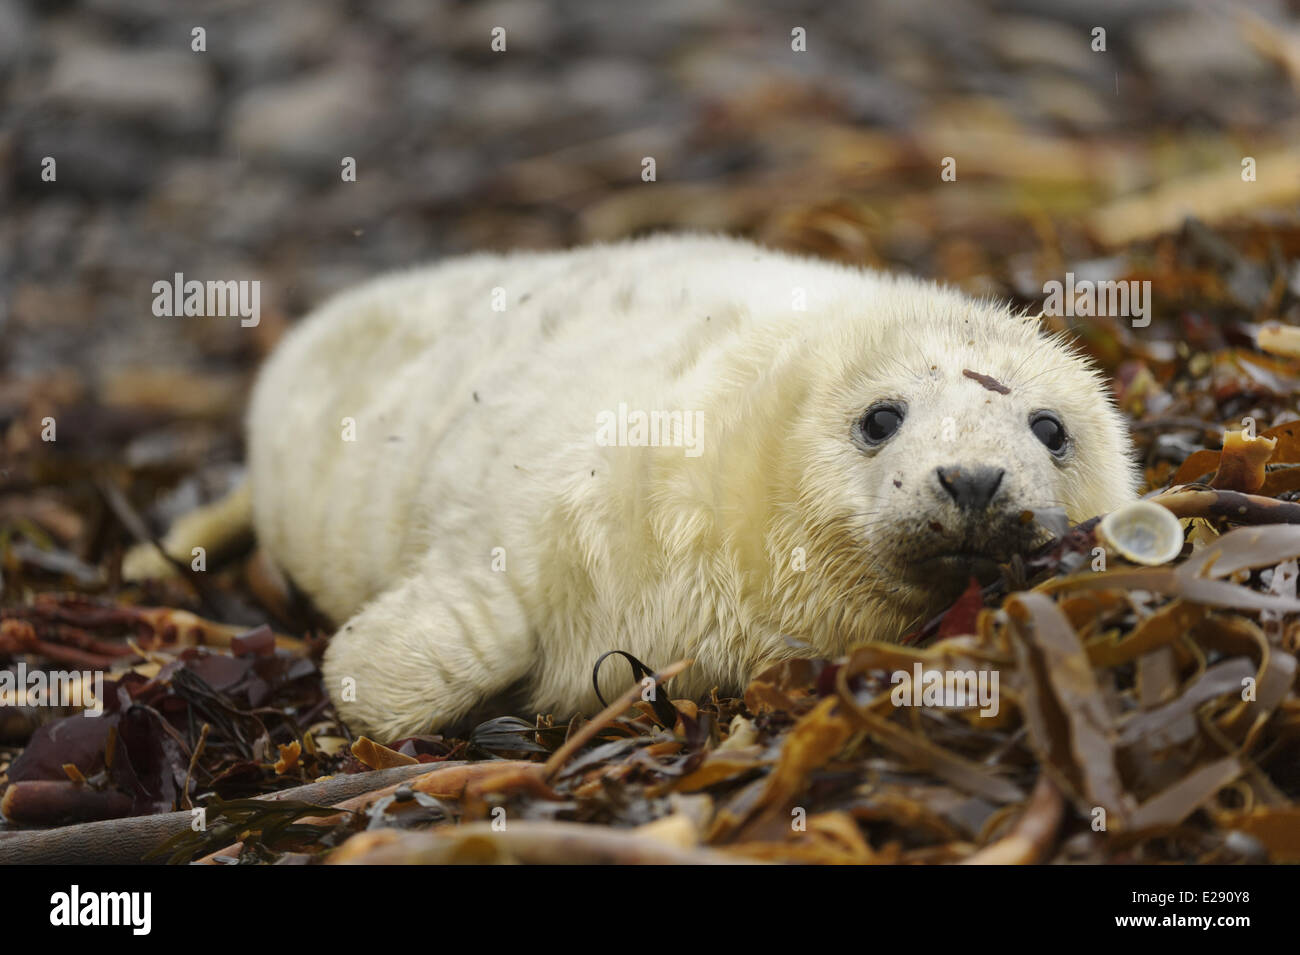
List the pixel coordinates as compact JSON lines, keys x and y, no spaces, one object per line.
{"x":954,"y":435}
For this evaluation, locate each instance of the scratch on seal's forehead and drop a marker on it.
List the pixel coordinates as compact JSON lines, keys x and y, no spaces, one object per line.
{"x":988,"y":381}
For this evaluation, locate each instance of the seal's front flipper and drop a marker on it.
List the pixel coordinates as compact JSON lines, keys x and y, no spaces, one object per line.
{"x":219,"y":527}
{"x":422,"y":656}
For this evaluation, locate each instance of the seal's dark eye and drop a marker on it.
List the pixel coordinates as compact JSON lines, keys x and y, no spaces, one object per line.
{"x":1048,"y":429}
{"x":880,"y":422}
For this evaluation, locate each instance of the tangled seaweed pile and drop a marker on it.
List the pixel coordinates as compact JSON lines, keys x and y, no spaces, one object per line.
{"x":1139,"y":713}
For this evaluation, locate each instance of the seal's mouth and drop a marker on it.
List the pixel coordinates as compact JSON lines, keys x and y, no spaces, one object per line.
{"x":945,"y":553}
{"x":962,"y":564}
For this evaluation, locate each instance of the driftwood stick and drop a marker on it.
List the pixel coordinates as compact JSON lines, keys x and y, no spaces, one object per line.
{"x":48,"y":801}
{"x":126,"y":841}
{"x":1230,"y":506}
{"x":448,"y":780}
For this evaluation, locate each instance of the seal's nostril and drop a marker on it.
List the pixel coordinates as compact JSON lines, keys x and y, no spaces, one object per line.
{"x":971,"y":488}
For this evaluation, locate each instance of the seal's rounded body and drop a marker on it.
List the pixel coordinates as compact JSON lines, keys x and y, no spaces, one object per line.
{"x":492,"y":470}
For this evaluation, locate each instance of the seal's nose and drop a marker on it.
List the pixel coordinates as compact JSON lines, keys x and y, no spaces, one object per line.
{"x":970,"y":487}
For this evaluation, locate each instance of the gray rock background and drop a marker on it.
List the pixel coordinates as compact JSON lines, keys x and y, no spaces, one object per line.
{"x":226,"y":163}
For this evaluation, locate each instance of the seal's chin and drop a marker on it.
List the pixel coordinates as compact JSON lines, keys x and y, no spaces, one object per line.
{"x":961,"y":566}
{"x":947,"y":564}
{"x":945,"y":550}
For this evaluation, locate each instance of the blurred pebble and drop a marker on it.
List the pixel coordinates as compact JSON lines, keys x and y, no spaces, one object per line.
{"x":172,"y":90}
{"x":309,"y":122}
{"x":15,"y":33}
